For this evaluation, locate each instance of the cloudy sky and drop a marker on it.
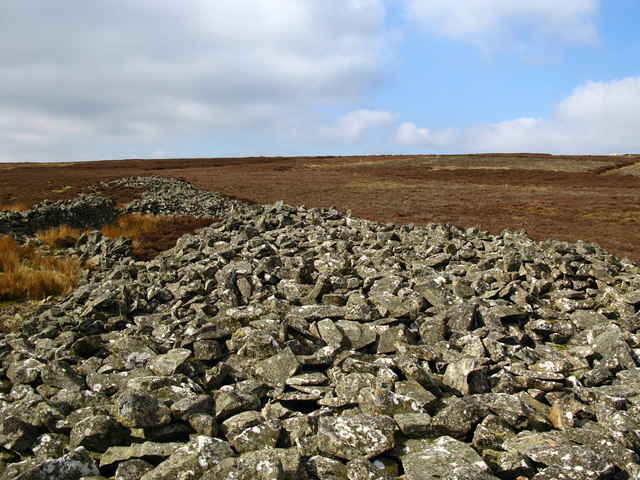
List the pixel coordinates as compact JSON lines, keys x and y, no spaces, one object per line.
{"x":107,"y":79}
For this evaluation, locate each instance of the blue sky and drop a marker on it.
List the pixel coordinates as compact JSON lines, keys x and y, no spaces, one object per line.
{"x":157,"y":78}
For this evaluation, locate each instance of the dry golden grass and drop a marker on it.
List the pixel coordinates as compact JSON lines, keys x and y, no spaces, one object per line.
{"x":15,"y":207}
{"x":128,"y":226}
{"x":27,"y":274}
{"x":59,"y":237}
{"x":131,"y":225}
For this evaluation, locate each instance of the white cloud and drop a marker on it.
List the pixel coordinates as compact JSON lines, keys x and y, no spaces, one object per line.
{"x":524,"y":27}
{"x":353,"y":126}
{"x":141,"y":72}
{"x":597,"y":118}
{"x":410,"y":134}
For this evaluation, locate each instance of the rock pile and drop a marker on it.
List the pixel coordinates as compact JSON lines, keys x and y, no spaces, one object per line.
{"x":171,"y":197}
{"x":300,"y":343}
{"x":90,"y":211}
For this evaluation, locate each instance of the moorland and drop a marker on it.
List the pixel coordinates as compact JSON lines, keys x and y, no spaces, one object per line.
{"x":591,"y":198}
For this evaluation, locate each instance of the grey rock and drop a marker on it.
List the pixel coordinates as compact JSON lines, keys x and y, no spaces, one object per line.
{"x":147,"y":450}
{"x":467,"y":376}
{"x":171,"y":362}
{"x":444,"y":457}
{"x":132,"y":469}
{"x":98,"y":433}
{"x":264,"y":468}
{"x":16,"y":434}
{"x":60,"y":374}
{"x":262,"y":435}
{"x":72,"y":466}
{"x":228,"y":403}
{"x":50,"y":445}
{"x":325,"y":468}
{"x":277,"y":369}
{"x":380,"y":401}
{"x":139,"y":410}
{"x":362,"y":469}
{"x":25,"y":371}
{"x":355,"y":436}
{"x":459,"y":419}
{"x":191,"y":460}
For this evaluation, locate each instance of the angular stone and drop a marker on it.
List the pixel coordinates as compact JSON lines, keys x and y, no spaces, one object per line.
{"x":599,"y":440}
{"x":132,"y":469}
{"x":196,"y":457}
{"x":138,"y":450}
{"x":190,"y":406}
{"x":277,"y":369}
{"x":16,"y":434}
{"x":509,"y":464}
{"x":204,"y":424}
{"x":581,"y":464}
{"x":467,"y":376}
{"x":98,"y":433}
{"x":289,"y":458}
{"x":414,"y":425}
{"x":440,"y":458}
{"x":362,"y":469}
{"x":171,"y":362}
{"x":207,"y":350}
{"x":460,"y":417}
{"x":415,"y":391}
{"x":60,"y":374}
{"x":50,"y":445}
{"x":262,"y":435}
{"x":140,"y":410}
{"x":72,"y":466}
{"x":330,"y":333}
{"x":228,"y":403}
{"x":622,"y":426}
{"x":317,"y":312}
{"x":24,"y":371}
{"x":355,"y":436}
{"x":325,"y":468}
{"x":491,"y":433}
{"x":380,"y":401}
{"x":264,"y":468}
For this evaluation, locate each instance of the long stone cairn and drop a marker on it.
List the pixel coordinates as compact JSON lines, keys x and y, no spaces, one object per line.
{"x":286,"y":342}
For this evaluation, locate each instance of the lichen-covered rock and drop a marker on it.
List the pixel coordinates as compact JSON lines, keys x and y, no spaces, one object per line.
{"x":265,"y":468}
{"x":326,"y":346}
{"x":139,"y":410}
{"x":132,"y":469}
{"x":24,"y":371}
{"x":72,"y":466}
{"x":171,"y":362}
{"x":262,"y":435}
{"x":98,"y":433}
{"x":144,"y":450}
{"x":354,"y":436}
{"x":277,"y":369}
{"x":192,"y":460}
{"x":444,"y":457}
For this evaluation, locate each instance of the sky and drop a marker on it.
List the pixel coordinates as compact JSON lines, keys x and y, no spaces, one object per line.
{"x":111,"y":79}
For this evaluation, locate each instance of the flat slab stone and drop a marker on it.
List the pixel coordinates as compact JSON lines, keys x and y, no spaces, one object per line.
{"x":138,"y":450}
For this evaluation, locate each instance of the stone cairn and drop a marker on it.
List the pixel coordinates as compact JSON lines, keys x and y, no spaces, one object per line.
{"x":286,"y":342}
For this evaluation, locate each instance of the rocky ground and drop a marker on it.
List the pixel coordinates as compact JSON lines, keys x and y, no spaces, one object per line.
{"x":286,"y":342}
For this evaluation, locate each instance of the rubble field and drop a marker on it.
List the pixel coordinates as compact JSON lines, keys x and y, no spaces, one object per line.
{"x":291,"y":342}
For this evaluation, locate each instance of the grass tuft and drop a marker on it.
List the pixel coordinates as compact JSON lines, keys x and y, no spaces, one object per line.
{"x":27,"y":274}
{"x":131,"y":225}
{"x":63,"y":236}
{"x":15,"y":207}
